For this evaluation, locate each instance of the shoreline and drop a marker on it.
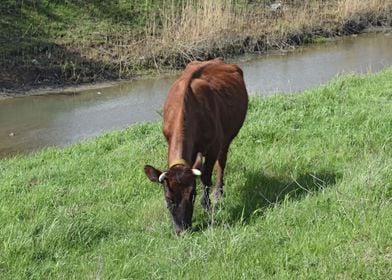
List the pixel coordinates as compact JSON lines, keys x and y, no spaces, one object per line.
{"x":54,"y":89}
{"x":60,"y":89}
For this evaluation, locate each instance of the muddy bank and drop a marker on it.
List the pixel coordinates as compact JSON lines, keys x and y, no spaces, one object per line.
{"x":73,"y":72}
{"x":66,"y":89}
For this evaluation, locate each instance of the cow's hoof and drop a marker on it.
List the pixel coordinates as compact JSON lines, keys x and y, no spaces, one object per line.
{"x":218,"y":193}
{"x":205,"y":203}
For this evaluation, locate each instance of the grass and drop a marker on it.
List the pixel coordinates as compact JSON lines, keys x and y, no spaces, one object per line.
{"x":56,"y":42}
{"x":308,"y":196}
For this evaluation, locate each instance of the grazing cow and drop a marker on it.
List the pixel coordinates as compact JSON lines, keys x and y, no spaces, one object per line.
{"x":204,"y":110}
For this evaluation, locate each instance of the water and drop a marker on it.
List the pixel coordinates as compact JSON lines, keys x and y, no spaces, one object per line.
{"x":31,"y":123}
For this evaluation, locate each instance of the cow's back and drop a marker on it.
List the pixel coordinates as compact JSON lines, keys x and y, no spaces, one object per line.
{"x":222,"y":86}
{"x":205,"y":107}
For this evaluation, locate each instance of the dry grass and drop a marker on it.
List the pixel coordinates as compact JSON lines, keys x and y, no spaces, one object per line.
{"x":193,"y":27}
{"x":169,"y":34}
{"x":203,"y":29}
{"x":349,"y":8}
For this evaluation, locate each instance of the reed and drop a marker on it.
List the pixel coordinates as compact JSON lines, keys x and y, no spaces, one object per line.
{"x":176,"y":33}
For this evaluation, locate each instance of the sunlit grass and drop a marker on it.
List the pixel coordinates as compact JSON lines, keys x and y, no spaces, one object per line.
{"x":308,"y":195}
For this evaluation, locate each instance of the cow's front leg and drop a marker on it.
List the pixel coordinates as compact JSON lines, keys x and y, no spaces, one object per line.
{"x":205,"y":198}
{"x":206,"y":181}
{"x":220,"y":171}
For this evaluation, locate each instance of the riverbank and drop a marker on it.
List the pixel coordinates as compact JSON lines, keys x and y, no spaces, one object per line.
{"x":308,"y":184}
{"x":102,"y":85}
{"x":61,"y":44}
{"x":66,"y":89}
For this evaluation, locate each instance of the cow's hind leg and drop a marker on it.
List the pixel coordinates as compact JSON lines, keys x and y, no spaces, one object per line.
{"x":220,"y":170}
{"x":208,"y":166}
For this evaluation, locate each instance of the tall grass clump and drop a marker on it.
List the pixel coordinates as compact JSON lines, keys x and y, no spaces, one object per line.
{"x":190,"y":30}
{"x":308,"y":196}
{"x":196,"y":21}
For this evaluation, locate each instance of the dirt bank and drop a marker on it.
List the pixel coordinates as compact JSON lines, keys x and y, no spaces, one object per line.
{"x":55,"y":66}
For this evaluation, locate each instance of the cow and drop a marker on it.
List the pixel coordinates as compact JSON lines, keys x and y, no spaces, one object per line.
{"x":203,"y":112}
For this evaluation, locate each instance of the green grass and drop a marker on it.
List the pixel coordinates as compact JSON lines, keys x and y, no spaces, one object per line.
{"x":308,"y":196}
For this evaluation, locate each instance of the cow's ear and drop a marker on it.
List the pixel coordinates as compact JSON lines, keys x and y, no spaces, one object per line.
{"x":152,"y":173}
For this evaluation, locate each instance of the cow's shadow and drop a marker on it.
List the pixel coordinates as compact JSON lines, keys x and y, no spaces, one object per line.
{"x":262,"y":191}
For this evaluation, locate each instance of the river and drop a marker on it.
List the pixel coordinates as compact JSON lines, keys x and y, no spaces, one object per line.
{"x":34,"y":122}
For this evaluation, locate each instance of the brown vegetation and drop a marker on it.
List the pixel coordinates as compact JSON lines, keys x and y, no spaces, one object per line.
{"x":175,"y":33}
{"x":205,"y":29}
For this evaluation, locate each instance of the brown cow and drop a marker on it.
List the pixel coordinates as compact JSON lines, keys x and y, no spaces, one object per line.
{"x":204,"y":110}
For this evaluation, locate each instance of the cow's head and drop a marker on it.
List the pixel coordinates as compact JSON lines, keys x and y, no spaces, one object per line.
{"x":179,"y":184}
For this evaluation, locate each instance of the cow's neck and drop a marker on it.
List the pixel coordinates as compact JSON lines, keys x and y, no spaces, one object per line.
{"x":180,"y":147}
{"x":181,"y":143}
{"x":179,"y":152}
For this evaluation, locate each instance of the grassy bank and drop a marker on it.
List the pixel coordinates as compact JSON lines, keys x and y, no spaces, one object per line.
{"x":308,"y":196}
{"x":59,"y":42}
